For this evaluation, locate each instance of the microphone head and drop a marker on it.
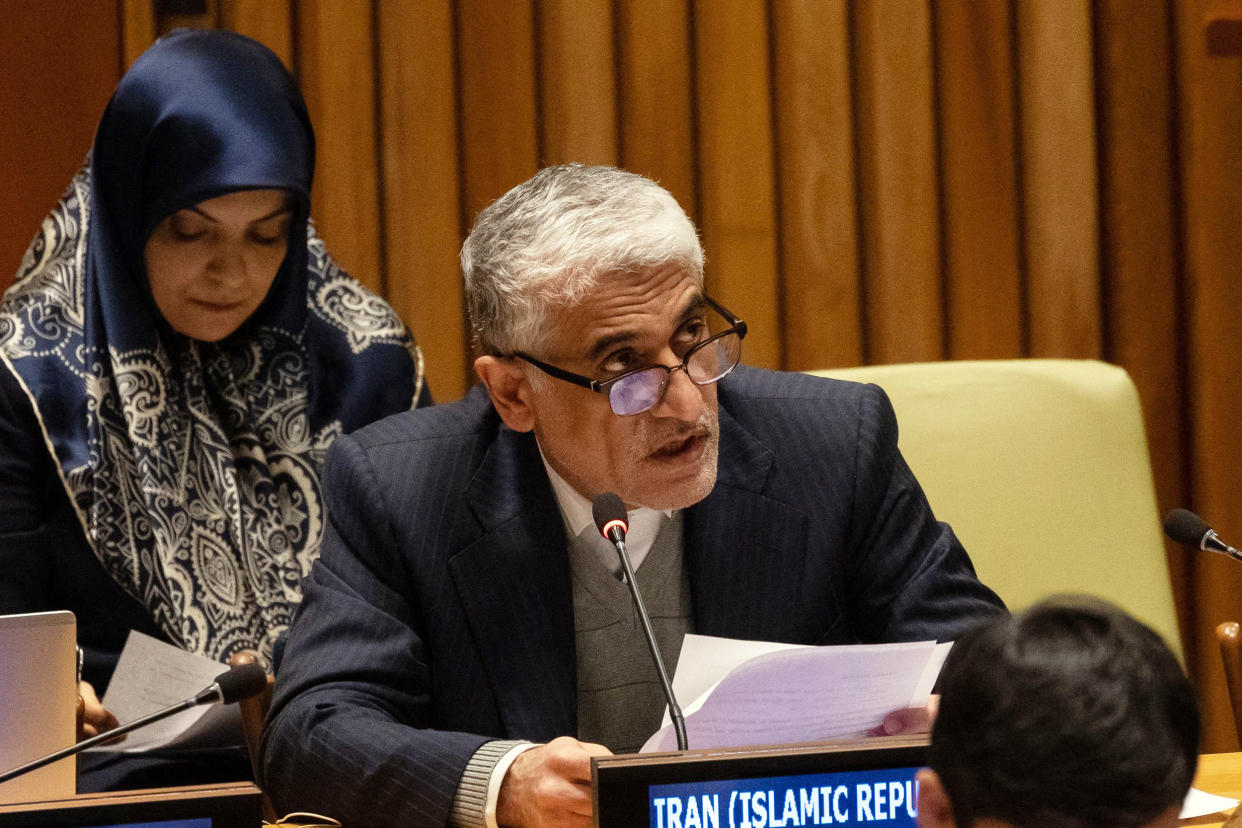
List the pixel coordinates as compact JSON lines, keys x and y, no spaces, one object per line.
{"x":609,"y":513}
{"x":241,"y":682}
{"x":1185,"y":527}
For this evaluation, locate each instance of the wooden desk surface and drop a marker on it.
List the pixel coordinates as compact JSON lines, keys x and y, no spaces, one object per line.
{"x":1219,"y":773}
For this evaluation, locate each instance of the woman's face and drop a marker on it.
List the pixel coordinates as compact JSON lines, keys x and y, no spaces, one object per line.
{"x":211,"y":265}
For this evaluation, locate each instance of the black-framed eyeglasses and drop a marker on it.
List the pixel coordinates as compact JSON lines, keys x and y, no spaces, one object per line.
{"x":642,"y":389}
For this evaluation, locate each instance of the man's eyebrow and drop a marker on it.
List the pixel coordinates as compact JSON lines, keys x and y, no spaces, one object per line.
{"x":602,"y":346}
{"x":693,"y":307}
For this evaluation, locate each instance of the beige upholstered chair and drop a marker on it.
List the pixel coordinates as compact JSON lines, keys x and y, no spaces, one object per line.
{"x":1041,"y":467}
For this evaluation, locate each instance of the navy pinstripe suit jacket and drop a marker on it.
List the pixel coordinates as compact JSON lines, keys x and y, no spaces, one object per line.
{"x":439,"y":614}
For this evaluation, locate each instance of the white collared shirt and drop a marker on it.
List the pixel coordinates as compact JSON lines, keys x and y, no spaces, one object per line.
{"x":645,"y":522}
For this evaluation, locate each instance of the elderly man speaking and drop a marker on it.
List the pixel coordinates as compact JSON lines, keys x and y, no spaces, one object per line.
{"x":465,"y":644}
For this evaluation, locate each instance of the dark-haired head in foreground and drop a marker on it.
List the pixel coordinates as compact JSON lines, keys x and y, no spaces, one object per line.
{"x":1069,"y":714}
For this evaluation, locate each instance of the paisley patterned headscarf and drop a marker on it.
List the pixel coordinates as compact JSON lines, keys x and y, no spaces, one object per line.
{"x":193,"y":466}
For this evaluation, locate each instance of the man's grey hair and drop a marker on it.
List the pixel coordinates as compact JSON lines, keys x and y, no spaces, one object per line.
{"x":547,"y":242}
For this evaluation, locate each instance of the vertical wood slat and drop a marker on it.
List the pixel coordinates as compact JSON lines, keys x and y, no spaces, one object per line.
{"x":898,"y":182}
{"x":137,"y":29}
{"x":1211,"y":172}
{"x":577,"y":74}
{"x":496,"y":50}
{"x":165,"y":22}
{"x":817,"y":178}
{"x":421,"y":198}
{"x":1140,"y":263}
{"x":982,"y":242}
{"x":1059,"y":177}
{"x":61,"y":99}
{"x":268,"y":21}
{"x":337,"y":76}
{"x":656,"y":80}
{"x":738,"y":210}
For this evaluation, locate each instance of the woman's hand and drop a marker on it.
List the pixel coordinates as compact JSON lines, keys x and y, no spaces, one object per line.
{"x":95,"y":719}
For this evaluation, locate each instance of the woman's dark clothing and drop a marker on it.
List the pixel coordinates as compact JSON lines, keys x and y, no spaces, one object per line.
{"x":192,"y":468}
{"x":148,"y":480}
{"x":45,"y":560}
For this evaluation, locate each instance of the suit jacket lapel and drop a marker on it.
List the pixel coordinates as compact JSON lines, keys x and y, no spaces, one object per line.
{"x":744,"y":550}
{"x":514,"y":585}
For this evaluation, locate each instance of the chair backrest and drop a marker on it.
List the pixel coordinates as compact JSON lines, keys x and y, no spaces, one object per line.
{"x":1042,"y":469}
{"x":1229,"y":637}
{"x":253,"y":711}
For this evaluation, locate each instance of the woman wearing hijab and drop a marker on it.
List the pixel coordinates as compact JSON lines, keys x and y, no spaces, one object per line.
{"x":176,"y":355}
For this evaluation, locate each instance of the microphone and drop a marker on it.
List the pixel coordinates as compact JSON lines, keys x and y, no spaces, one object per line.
{"x":610,"y":520}
{"x":1189,"y":529}
{"x":233,"y":685}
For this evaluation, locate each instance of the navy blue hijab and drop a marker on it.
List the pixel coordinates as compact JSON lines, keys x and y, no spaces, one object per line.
{"x":194,"y":466}
{"x":200,"y":114}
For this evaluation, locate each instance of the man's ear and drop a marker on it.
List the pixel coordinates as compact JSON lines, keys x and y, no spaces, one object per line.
{"x":935,"y":809}
{"x":509,"y":389}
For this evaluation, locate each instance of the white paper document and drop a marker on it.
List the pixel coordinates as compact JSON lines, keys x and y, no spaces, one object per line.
{"x":1200,"y":803}
{"x":754,"y":692}
{"x":152,"y":675}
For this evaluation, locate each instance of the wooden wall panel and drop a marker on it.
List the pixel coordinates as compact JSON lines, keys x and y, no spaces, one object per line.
{"x":498,"y":99}
{"x":875,"y":180}
{"x":657,"y":136}
{"x":1210,"y":143}
{"x":1059,"y":177}
{"x":898,"y":182}
{"x":738,"y":207}
{"x":268,"y":21}
{"x":170,"y":16}
{"x":978,"y":158}
{"x":138,"y":29}
{"x":816,"y":176}
{"x":577,"y":73}
{"x":422,"y":188}
{"x":1141,"y":263}
{"x":336,"y":67}
{"x":55,"y":81}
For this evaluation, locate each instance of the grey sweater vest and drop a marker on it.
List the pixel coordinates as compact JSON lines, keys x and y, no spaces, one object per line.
{"x":620,"y":703}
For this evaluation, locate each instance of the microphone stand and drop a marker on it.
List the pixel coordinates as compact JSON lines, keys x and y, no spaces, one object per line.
{"x":1211,"y":542}
{"x":233,"y":685}
{"x":1185,"y":527}
{"x":674,"y":709}
{"x":99,"y":738}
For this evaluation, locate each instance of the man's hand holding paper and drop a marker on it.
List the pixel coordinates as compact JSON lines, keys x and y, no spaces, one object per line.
{"x":759,"y":693}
